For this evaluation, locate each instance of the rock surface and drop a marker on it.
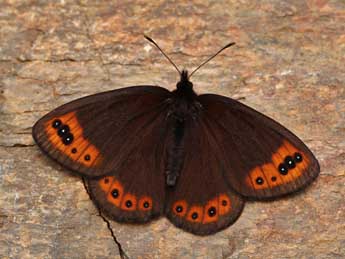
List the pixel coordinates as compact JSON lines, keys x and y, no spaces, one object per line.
{"x":288,"y":63}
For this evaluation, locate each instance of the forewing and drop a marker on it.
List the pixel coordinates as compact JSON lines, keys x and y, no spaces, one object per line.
{"x":262,"y":158}
{"x":93,"y":135}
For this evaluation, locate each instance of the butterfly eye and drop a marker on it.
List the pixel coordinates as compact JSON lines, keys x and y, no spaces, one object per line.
{"x":273,"y":178}
{"x":224,"y":203}
{"x":87,"y":157}
{"x":74,"y":150}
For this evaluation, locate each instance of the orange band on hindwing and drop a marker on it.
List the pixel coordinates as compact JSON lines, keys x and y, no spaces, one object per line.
{"x":195,"y":214}
{"x":106,"y":182}
{"x":129,"y":202}
{"x":224,"y":204}
{"x":287,"y":165}
{"x":209,"y":213}
{"x":145,"y":203}
{"x":180,"y":208}
{"x":66,"y":135}
{"x":115,"y":193}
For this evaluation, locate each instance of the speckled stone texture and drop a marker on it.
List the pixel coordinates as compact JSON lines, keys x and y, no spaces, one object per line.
{"x":288,"y":63}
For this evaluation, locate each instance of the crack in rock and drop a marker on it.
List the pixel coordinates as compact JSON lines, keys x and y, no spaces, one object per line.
{"x":122,"y":253}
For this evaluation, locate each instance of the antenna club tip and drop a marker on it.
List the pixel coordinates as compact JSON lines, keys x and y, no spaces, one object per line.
{"x":148,"y":38}
{"x":230,"y":44}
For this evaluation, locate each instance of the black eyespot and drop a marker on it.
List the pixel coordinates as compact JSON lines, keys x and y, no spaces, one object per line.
{"x":56,"y":123}
{"x":297,"y":157}
{"x":283,"y":169}
{"x":224,"y":203}
{"x":289,"y":162}
{"x":87,"y":157}
{"x":74,"y":150}
{"x":63,"y":130}
{"x":212,"y":211}
{"x":106,"y":180}
{"x":146,"y":204}
{"x":273,"y":178}
{"x":194,"y":215}
{"x":259,"y":180}
{"x":179,"y":209}
{"x":129,"y":204}
{"x":67,"y":139}
{"x":115,"y":193}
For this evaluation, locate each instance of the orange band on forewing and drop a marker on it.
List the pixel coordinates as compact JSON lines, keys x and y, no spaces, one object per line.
{"x":85,"y":152}
{"x":81,"y":145}
{"x":253,"y":176}
{"x":74,"y":126}
{"x":297,"y":171}
{"x":57,"y":143}
{"x":305,"y":163}
{"x":64,"y":118}
{"x":277,"y":159}
{"x":269,"y":172}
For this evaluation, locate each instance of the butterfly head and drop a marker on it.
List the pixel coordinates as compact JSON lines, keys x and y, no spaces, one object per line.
{"x":184,"y":88}
{"x":184,"y":81}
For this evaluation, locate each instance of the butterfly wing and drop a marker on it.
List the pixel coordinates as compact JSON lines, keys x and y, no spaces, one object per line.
{"x":201,"y":202}
{"x":94,"y":135}
{"x":262,"y":159}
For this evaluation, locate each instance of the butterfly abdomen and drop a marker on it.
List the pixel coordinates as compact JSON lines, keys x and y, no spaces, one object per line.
{"x":175,"y":153}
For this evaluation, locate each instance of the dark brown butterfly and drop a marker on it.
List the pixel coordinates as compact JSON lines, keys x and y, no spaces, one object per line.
{"x":195,"y":159}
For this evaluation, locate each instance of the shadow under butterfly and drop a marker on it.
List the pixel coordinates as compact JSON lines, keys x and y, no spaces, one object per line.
{"x":148,"y":152}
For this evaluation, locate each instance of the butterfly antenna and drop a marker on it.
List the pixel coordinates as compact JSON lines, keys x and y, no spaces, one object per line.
{"x":165,"y":55}
{"x":219,"y":51}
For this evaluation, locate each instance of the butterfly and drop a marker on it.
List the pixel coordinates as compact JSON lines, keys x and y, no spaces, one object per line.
{"x":148,"y":152}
